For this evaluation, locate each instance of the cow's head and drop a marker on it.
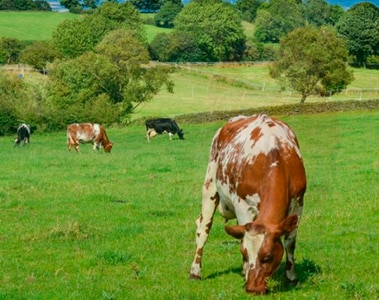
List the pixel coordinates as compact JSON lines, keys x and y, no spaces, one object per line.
{"x":151,"y":132}
{"x":262,"y":250}
{"x":108,"y":147}
{"x":181,"y":134}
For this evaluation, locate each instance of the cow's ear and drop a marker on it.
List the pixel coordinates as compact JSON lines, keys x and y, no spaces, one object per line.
{"x":289,"y":224}
{"x":237,"y":231}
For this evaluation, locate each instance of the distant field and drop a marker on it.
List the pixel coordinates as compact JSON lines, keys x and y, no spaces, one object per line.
{"x":233,"y":87}
{"x":31,"y":26}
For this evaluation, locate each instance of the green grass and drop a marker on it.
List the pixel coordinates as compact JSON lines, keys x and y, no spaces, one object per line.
{"x":152,"y":31}
{"x":234,"y":87}
{"x":31,"y":26}
{"x":122,"y":226}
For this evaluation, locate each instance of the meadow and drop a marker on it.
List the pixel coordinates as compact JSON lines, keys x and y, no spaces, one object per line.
{"x":122,"y":225}
{"x":31,"y":26}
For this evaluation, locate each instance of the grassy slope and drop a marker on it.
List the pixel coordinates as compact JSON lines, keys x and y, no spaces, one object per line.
{"x":215,"y":88}
{"x":90,"y":226}
{"x":31,"y":26}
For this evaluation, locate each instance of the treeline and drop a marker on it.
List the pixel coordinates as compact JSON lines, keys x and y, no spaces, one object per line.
{"x":24,"y":5}
{"x":99,"y":67}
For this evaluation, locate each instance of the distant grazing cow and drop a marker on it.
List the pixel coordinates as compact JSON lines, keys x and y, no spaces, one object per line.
{"x":23,"y":135}
{"x":255,"y":174}
{"x":88,"y":133}
{"x":163,"y":125}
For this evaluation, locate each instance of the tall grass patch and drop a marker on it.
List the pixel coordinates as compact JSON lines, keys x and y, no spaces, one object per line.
{"x":122,"y":225}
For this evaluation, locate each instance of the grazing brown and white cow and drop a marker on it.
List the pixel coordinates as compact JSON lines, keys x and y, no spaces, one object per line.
{"x":255,"y":174}
{"x":88,"y":133}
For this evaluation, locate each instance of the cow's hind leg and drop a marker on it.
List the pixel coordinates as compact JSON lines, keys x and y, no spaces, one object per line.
{"x":204,"y":224}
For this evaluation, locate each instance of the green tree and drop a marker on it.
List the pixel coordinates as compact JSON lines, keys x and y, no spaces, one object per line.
{"x":175,"y":47}
{"x":69,"y":4}
{"x":312,"y":61}
{"x":90,"y":3}
{"x":38,"y":55}
{"x":147,"y":5}
{"x":248,"y":8}
{"x":276,"y":19}
{"x":74,"y":37}
{"x":167,"y":13}
{"x":360,"y":28}
{"x":42,"y":5}
{"x":10,"y":49}
{"x":123,"y":15}
{"x":116,"y":78}
{"x":18,"y":102}
{"x":217,"y":29}
{"x":319,"y":12}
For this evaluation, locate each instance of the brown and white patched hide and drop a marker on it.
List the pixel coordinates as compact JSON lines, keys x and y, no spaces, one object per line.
{"x":88,"y":133}
{"x":256,"y":175}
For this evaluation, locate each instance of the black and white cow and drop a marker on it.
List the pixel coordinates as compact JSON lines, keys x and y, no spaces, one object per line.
{"x":23,"y":135}
{"x":163,"y":125}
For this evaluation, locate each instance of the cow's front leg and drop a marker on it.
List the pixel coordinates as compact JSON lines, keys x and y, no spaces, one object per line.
{"x":290,"y":241}
{"x":204,"y":225}
{"x":96,"y":146}
{"x":290,"y":245}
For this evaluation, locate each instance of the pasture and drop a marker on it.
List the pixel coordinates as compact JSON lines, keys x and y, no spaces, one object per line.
{"x":122,"y":225}
{"x":31,"y":26}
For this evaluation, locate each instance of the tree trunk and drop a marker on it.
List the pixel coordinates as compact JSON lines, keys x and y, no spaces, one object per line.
{"x":303,"y":97}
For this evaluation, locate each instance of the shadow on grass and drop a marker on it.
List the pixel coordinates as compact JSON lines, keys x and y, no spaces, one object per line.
{"x":279,"y":283}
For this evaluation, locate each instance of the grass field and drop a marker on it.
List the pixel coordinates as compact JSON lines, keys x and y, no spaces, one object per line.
{"x":121,"y":226}
{"x":234,"y":87}
{"x":31,"y":26}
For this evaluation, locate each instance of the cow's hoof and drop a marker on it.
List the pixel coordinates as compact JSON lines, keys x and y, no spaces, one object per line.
{"x":194,"y":277}
{"x":292,"y":282}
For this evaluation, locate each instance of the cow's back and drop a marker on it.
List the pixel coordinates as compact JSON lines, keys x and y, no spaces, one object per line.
{"x":255,"y":158}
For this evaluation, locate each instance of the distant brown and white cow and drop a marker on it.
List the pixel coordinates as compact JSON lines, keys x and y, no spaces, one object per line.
{"x":88,"y":133}
{"x":255,"y":174}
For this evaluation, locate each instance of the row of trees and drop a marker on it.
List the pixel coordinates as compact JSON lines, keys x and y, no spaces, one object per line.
{"x":99,"y":66}
{"x":99,"y":70}
{"x":24,"y":5}
{"x":273,"y":20}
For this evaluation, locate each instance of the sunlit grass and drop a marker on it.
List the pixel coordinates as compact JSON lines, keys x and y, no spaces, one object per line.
{"x":122,"y":225}
{"x":31,"y":26}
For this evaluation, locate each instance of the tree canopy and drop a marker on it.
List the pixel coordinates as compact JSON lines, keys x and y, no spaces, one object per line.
{"x":115,"y":77}
{"x":24,"y":5}
{"x":277,"y":18}
{"x":216,"y":27}
{"x":75,"y":37}
{"x":167,"y":13}
{"x":360,"y":28}
{"x":248,"y":8}
{"x":312,"y":61}
{"x":319,"y":12}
